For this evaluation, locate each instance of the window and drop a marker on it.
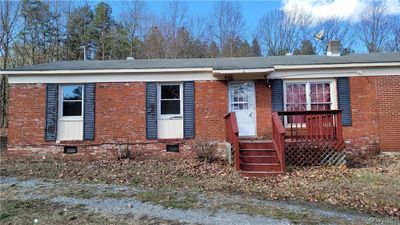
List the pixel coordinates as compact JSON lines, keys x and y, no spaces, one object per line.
{"x":71,"y":100}
{"x":309,"y":95}
{"x":170,"y":99}
{"x":320,"y":96}
{"x":296,"y":98}
{"x":240,"y":95}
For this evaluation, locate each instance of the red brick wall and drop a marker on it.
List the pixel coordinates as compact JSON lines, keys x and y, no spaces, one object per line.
{"x":263,"y":109}
{"x":362,"y":135}
{"x":26,"y":114}
{"x":120,"y":116}
{"x":120,"y":112}
{"x":375,"y":106}
{"x":388,"y":89}
{"x":211,"y":100}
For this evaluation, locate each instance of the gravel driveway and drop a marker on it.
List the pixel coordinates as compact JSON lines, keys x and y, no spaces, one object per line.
{"x":201,"y":209}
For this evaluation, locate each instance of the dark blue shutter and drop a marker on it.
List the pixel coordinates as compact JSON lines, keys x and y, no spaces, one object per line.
{"x":343,"y":88}
{"x":151,"y":110}
{"x":277,"y":95}
{"x":51,"y":112}
{"x":188,"y":110}
{"x":89,"y":111}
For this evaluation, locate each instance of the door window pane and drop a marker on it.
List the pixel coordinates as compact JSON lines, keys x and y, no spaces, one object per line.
{"x":170,"y":101}
{"x":170,"y":92}
{"x":72,"y":92}
{"x":72,"y":100}
{"x":72,"y":108}
{"x":170,"y":107}
{"x":240,"y":96}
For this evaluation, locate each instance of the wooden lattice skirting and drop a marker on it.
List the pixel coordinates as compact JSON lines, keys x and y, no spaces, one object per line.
{"x":314,"y":153}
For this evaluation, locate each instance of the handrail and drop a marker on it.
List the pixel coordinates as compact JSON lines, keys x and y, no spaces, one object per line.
{"x":316,"y":125}
{"x":278,"y":139}
{"x":232,"y":135}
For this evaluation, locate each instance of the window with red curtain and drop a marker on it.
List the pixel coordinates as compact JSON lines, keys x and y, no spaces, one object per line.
{"x":320,"y":94}
{"x":302,"y":96}
{"x":296,"y":100}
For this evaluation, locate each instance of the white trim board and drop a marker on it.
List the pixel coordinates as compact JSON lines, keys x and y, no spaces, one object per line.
{"x":101,"y":78}
{"x":331,"y":73}
{"x":334,"y":66}
{"x":107,"y":71}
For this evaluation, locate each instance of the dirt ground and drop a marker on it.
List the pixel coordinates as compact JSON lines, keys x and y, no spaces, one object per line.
{"x":372,"y":187}
{"x":48,"y":201}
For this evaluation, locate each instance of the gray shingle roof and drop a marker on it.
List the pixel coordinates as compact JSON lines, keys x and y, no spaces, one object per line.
{"x":215,"y":63}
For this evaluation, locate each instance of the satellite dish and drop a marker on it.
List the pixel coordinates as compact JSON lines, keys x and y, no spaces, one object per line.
{"x":319,"y":36}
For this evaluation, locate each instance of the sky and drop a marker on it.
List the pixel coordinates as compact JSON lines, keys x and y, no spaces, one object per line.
{"x":253,"y":10}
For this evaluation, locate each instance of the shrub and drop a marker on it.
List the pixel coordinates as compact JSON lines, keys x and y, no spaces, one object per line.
{"x":206,"y":150}
{"x":123,"y":151}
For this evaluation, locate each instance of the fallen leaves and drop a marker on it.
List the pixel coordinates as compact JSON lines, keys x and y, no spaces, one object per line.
{"x":374,"y":187}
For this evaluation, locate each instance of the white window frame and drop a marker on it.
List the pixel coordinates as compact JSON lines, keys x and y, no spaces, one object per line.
{"x":169,"y":116}
{"x":332,"y":86}
{"x":333,"y":92}
{"x":61,"y":101}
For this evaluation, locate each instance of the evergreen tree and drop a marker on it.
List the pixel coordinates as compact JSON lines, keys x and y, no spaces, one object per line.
{"x":80,"y":33}
{"x":213,"y":50}
{"x":153,"y":44}
{"x":102,"y":22}
{"x":38,"y":30}
{"x":120,"y":44}
{"x":307,"y":48}
{"x":256,"y":48}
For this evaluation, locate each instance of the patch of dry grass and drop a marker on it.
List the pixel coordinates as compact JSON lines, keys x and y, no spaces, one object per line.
{"x":374,"y":187}
{"x":27,"y":211}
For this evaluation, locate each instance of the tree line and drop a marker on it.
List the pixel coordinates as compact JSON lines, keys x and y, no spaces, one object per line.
{"x":36,"y":31}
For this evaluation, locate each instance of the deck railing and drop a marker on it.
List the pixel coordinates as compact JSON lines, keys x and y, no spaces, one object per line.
{"x":278,"y":139}
{"x":305,"y":126}
{"x":232,"y":136}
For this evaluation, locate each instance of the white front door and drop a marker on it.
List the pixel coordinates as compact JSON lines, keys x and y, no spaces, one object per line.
{"x":170,"y":110}
{"x":242,"y":102}
{"x":70,"y":118}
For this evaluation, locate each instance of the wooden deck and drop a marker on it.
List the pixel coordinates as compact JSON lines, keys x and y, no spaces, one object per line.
{"x":301,"y":138}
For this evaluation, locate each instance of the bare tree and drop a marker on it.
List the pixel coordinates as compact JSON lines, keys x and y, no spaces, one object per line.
{"x":334,"y":29}
{"x":175,"y":19}
{"x":133,"y":18}
{"x":393,"y":43}
{"x":281,"y":32}
{"x":226,"y":25}
{"x":374,"y":26}
{"x":9,"y":12}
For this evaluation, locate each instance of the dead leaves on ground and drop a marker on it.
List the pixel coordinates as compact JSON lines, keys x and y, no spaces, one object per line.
{"x":375,"y":187}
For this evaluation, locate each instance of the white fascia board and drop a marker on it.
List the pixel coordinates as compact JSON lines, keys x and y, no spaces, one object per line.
{"x":344,"y":65}
{"x":101,"y":78}
{"x":241,"y":71}
{"x":107,"y":71}
{"x":335,"y":72}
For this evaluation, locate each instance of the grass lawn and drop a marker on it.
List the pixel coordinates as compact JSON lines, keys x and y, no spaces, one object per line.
{"x":373,"y":187}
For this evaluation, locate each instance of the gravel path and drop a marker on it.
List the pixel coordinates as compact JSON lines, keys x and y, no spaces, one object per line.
{"x":208,"y":211}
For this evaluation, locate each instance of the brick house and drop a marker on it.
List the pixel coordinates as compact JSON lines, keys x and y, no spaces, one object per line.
{"x":264,"y":107}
